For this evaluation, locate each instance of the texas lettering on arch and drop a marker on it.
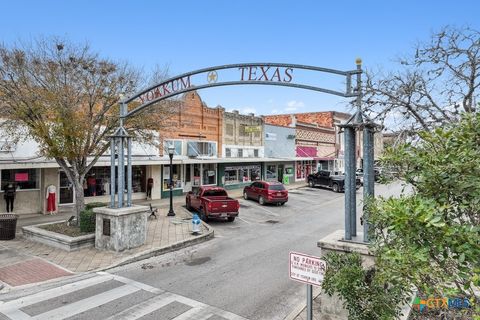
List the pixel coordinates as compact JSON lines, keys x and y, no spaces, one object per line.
{"x":265,"y":73}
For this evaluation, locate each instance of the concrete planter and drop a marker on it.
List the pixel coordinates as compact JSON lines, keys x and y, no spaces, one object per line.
{"x":58,"y":240}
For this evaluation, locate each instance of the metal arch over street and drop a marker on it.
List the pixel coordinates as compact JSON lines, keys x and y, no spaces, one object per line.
{"x":277,"y":74}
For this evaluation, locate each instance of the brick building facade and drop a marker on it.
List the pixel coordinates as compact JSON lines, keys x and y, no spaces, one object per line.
{"x":194,"y":121}
{"x":315,"y":140}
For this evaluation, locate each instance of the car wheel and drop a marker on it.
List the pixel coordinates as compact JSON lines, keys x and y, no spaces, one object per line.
{"x":282,"y":203}
{"x":202,"y":215}
{"x":189,"y":207}
{"x":245,"y":196}
{"x":261,"y":200}
{"x":311,"y":184}
{"x":231,"y":219}
{"x":335,"y":187}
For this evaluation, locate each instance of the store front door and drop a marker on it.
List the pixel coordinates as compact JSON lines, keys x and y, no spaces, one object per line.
{"x":66,"y":190}
{"x":280,"y":173}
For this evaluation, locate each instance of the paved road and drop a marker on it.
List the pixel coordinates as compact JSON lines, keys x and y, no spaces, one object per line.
{"x":107,"y":296}
{"x":245,"y":268}
{"x":242,"y":273}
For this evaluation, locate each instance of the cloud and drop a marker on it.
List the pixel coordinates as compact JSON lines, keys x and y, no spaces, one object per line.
{"x":247,"y":110}
{"x":294,"y":104}
{"x":288,"y":109}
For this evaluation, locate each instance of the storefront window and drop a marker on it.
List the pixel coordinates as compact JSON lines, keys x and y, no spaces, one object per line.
{"x":209,"y":174}
{"x":289,"y":170}
{"x":271,"y":173}
{"x":24,"y":179}
{"x":176,"y":143}
{"x":231,"y":176}
{"x":241,"y":174}
{"x":198,"y":148}
{"x":176,"y":177}
{"x":196,"y":174}
{"x":255,"y":173}
{"x":97,"y":181}
{"x":304,"y":168}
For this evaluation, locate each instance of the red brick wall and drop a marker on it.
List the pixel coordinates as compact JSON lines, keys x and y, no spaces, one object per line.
{"x":195,"y":121}
{"x":322,"y":119}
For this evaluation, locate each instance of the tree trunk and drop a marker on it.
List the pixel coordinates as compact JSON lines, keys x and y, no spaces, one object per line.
{"x":79,"y":197}
{"x":76,"y":179}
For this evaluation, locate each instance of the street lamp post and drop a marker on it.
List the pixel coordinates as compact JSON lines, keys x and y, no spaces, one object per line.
{"x":171,"y":151}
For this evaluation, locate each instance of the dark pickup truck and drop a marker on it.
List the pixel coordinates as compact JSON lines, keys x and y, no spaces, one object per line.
{"x":329,"y":179}
{"x":212,"y":202}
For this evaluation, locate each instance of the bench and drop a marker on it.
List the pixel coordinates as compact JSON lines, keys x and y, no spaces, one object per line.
{"x":153,"y":212}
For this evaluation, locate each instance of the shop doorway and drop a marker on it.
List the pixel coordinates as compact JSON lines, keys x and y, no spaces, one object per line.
{"x":66,"y":190}
{"x":280,"y":173}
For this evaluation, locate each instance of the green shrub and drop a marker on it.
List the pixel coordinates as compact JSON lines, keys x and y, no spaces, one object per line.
{"x":365,"y":293}
{"x":87,"y":220}
{"x":92,"y":205}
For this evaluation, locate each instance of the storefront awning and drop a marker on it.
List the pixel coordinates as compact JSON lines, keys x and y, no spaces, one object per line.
{"x":301,"y":159}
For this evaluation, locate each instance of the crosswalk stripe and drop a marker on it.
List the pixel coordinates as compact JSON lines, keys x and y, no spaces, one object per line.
{"x":144,"y":308}
{"x":16,"y":314}
{"x":162,"y":298}
{"x":87,"y":304}
{"x":197,"y":313}
{"x":54,"y":292}
{"x":134,"y":283}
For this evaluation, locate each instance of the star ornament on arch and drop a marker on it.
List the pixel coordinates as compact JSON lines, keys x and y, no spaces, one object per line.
{"x":212,"y":77}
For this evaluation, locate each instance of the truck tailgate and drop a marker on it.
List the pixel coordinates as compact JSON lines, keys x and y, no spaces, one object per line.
{"x":223,"y":205}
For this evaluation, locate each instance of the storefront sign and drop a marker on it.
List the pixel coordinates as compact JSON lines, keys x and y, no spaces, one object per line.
{"x":251,"y":129}
{"x":20,"y":177}
{"x":240,"y":167}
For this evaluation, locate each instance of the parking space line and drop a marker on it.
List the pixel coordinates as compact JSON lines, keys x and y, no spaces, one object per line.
{"x":244,"y":220}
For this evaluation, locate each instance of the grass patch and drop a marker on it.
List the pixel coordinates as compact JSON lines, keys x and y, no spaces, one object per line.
{"x":62,"y":228}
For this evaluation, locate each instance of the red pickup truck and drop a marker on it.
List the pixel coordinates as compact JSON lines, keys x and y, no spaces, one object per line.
{"x":212,"y":202}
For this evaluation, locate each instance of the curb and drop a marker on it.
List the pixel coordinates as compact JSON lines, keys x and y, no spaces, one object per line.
{"x":300,"y":307}
{"x":166,"y":249}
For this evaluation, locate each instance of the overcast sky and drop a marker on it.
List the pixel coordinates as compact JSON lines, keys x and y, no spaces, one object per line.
{"x":189,"y":35}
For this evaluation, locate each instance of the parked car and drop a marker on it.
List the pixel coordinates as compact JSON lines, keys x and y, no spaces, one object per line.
{"x":359,"y":175}
{"x":212,"y":202}
{"x":266,"y":192}
{"x":376,"y":174}
{"x":330,"y":179}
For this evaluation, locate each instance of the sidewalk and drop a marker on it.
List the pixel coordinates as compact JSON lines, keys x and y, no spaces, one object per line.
{"x":25,"y":262}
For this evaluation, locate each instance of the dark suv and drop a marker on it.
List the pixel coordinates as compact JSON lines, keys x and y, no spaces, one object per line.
{"x":330,"y":179}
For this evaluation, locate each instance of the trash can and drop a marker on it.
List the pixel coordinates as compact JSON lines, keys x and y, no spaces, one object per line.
{"x":8,"y":224}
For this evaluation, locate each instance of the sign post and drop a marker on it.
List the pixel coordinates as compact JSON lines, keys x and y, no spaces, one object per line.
{"x":307,"y":269}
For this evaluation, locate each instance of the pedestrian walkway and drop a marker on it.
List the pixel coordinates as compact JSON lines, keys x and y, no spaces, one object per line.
{"x":107,"y":296}
{"x":164,"y":234}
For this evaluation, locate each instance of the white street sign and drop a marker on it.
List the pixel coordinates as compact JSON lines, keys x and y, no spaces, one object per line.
{"x":307,"y":269}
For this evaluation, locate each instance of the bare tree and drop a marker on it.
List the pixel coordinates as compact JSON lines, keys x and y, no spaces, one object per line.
{"x":65,"y":97}
{"x":434,"y":86}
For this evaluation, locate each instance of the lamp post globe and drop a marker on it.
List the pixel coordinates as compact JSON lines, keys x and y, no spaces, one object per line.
{"x":171,"y":151}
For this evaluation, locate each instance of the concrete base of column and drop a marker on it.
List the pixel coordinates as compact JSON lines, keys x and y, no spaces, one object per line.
{"x":118,"y":229}
{"x":332,"y":307}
